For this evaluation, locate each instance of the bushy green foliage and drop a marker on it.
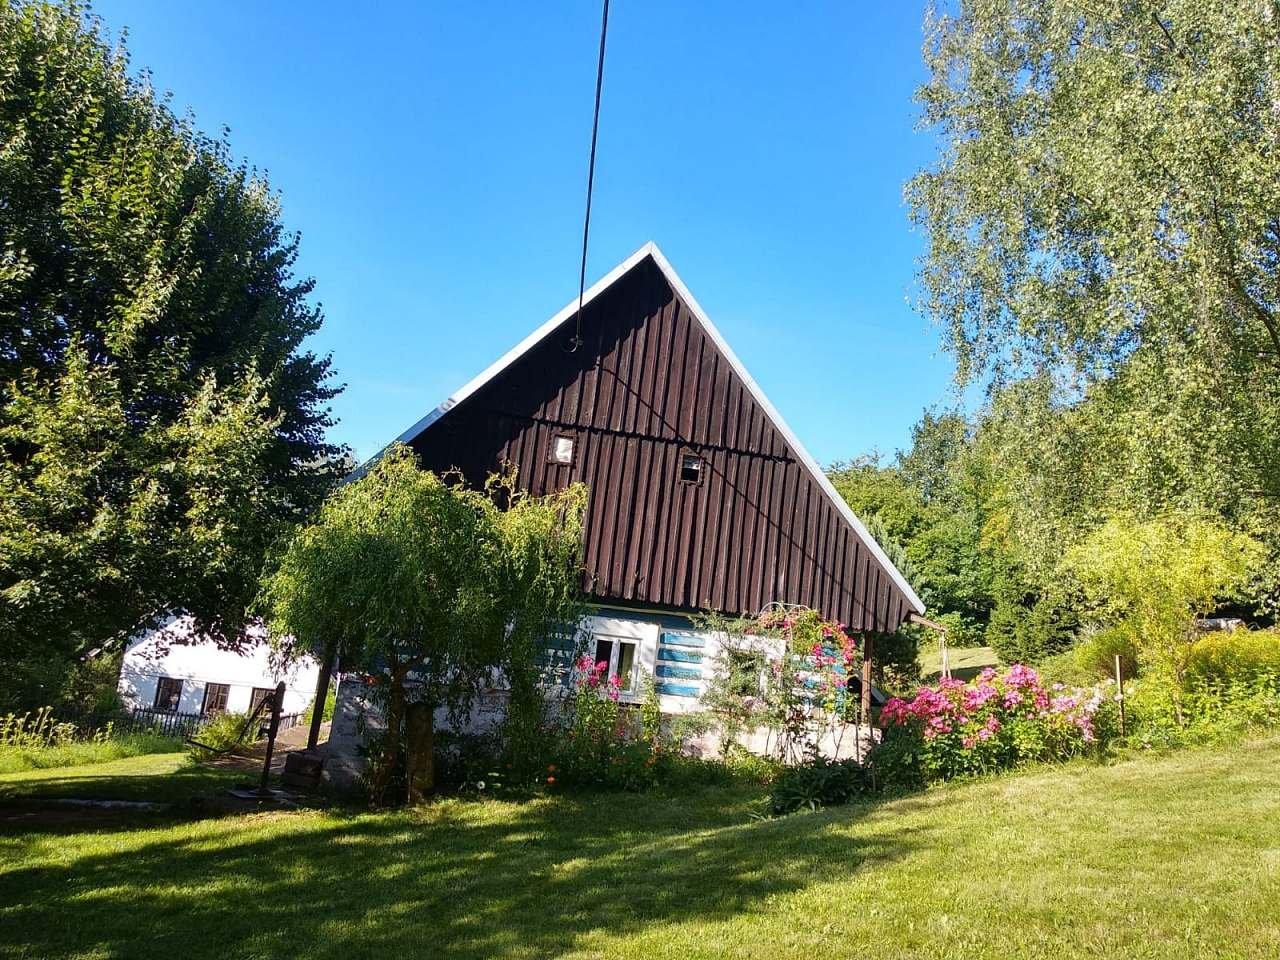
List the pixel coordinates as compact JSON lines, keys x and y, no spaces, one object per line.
{"x":1151,"y":579}
{"x":429,"y":586}
{"x":1096,"y":656}
{"x":1228,"y":656}
{"x":38,"y":740}
{"x":326,"y":713}
{"x":223,"y":733}
{"x":818,"y":782}
{"x":1231,"y":685}
{"x":160,"y":417}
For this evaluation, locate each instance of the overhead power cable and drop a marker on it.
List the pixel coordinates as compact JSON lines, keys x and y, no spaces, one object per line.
{"x":576,"y":342}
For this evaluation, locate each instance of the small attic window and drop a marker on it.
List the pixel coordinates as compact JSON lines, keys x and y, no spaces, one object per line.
{"x":561,"y":450}
{"x":690,"y":468}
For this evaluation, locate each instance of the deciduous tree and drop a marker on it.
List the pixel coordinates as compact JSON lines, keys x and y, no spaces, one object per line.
{"x":160,"y":415}
{"x":433,"y":589}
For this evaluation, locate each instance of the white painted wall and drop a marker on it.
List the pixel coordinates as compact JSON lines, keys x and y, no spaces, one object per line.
{"x":160,"y":653}
{"x":357,"y":714}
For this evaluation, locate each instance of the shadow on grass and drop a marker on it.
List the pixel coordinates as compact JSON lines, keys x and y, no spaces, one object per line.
{"x":456,"y":880}
{"x":169,"y":786}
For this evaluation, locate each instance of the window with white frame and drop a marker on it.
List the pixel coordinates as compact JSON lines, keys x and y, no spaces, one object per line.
{"x":623,"y":657}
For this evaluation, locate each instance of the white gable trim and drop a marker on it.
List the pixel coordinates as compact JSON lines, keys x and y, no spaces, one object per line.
{"x":651,"y":250}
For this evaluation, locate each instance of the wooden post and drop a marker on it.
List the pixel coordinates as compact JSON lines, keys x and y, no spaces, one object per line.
{"x":868,"y":650}
{"x":1120,"y":693}
{"x":277,"y":701}
{"x":322,"y":694}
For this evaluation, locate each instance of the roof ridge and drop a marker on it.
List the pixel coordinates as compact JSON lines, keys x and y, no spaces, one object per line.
{"x":650,"y":250}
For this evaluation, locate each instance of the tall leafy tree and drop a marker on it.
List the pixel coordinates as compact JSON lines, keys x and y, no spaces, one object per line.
{"x":1108,"y":179}
{"x":1103,"y":231}
{"x":160,"y":415}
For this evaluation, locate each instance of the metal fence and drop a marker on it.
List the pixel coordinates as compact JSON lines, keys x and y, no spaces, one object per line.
{"x":169,"y":723}
{"x":173,"y":724}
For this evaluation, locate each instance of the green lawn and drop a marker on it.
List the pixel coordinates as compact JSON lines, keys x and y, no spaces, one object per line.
{"x":1174,"y":856}
{"x":966,"y":662}
{"x":163,"y":777}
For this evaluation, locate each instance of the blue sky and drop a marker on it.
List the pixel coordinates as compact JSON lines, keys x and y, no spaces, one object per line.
{"x":433,"y":157}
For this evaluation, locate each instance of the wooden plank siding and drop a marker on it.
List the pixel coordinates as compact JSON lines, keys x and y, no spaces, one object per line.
{"x":647,"y":386}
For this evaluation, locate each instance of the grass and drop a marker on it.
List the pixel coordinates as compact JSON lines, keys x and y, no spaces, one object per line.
{"x":15,"y":759}
{"x":161,"y":777}
{"x":1152,"y":857}
{"x":966,"y":662}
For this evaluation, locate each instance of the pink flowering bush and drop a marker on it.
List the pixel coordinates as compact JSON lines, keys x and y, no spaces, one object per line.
{"x":605,"y":742}
{"x":999,"y":720}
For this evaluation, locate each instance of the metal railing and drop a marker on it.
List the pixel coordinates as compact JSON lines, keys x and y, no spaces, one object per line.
{"x":176,"y":724}
{"x":168,"y":722}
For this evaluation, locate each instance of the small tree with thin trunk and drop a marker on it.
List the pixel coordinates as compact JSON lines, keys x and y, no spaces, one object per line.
{"x":433,"y":588}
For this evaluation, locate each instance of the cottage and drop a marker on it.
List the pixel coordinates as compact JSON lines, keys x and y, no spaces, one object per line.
{"x":700,"y":496}
{"x":169,"y":670}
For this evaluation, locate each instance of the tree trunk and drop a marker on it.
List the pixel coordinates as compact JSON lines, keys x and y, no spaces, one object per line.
{"x":420,"y":735}
{"x":390,"y":758}
{"x":322,"y":694}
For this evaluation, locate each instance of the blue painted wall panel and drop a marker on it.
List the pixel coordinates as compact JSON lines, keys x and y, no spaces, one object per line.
{"x":679,"y":673}
{"x":676,"y":690}
{"x":683,"y":656}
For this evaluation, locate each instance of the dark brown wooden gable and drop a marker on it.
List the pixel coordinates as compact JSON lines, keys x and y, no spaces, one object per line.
{"x":647,"y":386}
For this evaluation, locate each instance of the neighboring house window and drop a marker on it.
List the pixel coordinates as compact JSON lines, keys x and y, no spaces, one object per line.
{"x":215,"y":697}
{"x":690,"y":468}
{"x":168,"y":694}
{"x":561,"y":449}
{"x":621,"y":656}
{"x":259,"y":694}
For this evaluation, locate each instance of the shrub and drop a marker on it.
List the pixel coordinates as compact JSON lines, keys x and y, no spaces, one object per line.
{"x":1151,"y":579}
{"x":1096,"y":657}
{"x":1234,"y":656}
{"x":1231,"y":684}
{"x":223,"y":733}
{"x":818,"y":782}
{"x":37,"y":740}
{"x":956,"y":729}
{"x":605,"y":743}
{"x":1022,"y":633}
{"x":480,"y":765}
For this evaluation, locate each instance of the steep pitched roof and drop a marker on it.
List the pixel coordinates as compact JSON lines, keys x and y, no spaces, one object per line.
{"x":651,"y":252}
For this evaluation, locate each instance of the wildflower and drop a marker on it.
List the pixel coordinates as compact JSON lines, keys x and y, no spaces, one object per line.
{"x":550,"y":780}
{"x":551,"y":768}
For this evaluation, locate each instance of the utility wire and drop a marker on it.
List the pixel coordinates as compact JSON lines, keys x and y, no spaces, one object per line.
{"x":576,"y":342}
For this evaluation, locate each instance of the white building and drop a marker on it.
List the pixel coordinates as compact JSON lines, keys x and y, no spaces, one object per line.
{"x":164,"y":672}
